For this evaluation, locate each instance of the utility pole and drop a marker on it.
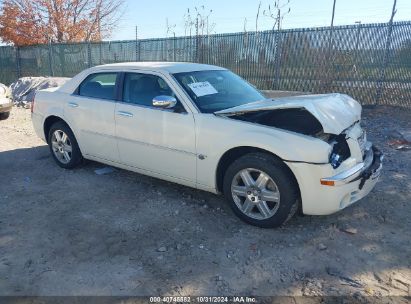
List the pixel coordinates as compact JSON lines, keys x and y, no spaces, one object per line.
{"x":90,"y":59}
{"x":279,"y":20}
{"x":332,"y":18}
{"x":328,"y":55}
{"x":394,"y":11}
{"x":50,"y":50}
{"x":357,"y":42}
{"x":331,"y":28}
{"x":387,"y":53}
{"x":137,"y":51}
{"x":174,"y":46}
{"x":197,"y":39}
{"x":99,"y":33}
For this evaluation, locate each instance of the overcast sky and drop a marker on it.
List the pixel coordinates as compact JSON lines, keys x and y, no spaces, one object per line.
{"x":228,"y":15}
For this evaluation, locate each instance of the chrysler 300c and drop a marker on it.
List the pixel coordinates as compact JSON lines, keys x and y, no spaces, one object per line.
{"x":205,"y":127}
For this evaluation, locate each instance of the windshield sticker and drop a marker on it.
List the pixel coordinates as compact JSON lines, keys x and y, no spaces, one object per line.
{"x":202,"y":88}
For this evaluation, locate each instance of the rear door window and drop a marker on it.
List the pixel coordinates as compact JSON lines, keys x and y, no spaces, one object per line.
{"x":101,"y":85}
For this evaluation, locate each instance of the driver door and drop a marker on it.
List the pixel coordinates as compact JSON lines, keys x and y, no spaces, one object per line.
{"x":155,"y":140}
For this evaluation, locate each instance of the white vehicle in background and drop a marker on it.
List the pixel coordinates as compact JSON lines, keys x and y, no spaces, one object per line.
{"x":204,"y":127}
{"x":6,"y":104}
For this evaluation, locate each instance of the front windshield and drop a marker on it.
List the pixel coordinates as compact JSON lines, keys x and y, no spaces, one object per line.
{"x":217,"y":90}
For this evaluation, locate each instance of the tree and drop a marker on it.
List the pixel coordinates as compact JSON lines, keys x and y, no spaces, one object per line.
{"x":276,"y":13}
{"x":199,"y":20}
{"x":28,"y":22}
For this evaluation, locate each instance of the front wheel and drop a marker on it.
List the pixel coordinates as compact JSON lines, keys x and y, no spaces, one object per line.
{"x":63,"y":146}
{"x":261,"y":190}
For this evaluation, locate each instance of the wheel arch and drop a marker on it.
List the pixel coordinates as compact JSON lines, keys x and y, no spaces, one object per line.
{"x":234,"y":153}
{"x":49,"y":121}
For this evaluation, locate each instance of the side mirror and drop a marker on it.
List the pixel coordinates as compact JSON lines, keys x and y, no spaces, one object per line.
{"x":164,"y":102}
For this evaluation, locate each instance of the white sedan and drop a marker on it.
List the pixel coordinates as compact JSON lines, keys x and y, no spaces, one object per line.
{"x":205,"y":127}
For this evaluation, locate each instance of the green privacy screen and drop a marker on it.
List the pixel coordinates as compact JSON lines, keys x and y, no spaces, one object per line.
{"x":371,"y":62}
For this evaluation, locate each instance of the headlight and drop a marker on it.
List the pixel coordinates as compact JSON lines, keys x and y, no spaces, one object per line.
{"x":335,"y":160}
{"x":340,"y":150}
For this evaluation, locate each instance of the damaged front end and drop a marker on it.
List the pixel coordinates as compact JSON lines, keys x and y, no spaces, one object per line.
{"x":353,"y":165}
{"x":297,"y":120}
{"x":301,"y":121}
{"x":333,"y":118}
{"x":365,"y":160}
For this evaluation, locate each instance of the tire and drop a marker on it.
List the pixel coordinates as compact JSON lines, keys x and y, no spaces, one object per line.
{"x":269,"y":198}
{"x":63,"y":146}
{"x":4,"y":115}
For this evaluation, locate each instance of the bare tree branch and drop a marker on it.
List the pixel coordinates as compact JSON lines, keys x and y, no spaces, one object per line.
{"x":277,"y":13}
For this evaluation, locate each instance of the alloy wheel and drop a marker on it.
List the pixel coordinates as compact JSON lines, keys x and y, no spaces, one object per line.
{"x":255,"y":193}
{"x":61,"y":146}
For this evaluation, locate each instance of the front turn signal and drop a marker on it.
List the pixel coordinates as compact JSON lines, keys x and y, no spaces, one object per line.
{"x":327,"y":183}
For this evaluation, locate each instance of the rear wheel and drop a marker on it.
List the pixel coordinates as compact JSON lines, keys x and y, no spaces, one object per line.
{"x":63,"y":146}
{"x":4,"y":115}
{"x":261,"y":190}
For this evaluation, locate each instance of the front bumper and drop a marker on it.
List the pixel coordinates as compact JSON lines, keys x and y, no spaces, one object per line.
{"x":325,"y":195}
{"x":369,"y":168}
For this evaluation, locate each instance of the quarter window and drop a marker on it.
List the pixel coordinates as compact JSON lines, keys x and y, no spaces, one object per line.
{"x":101,"y":85}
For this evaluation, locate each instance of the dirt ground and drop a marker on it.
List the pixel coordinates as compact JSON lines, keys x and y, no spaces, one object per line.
{"x":78,"y":233}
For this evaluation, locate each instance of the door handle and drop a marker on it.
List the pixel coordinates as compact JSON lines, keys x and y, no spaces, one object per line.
{"x":72,"y":104}
{"x":125,"y":114}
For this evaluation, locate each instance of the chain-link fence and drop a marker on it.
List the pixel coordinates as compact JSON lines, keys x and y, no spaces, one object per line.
{"x":371,"y":62}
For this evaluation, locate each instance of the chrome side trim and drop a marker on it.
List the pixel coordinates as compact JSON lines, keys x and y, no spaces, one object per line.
{"x":151,"y":107}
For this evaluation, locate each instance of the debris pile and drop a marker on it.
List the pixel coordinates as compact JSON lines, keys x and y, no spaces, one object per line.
{"x":400,"y":140}
{"x":24,"y":89}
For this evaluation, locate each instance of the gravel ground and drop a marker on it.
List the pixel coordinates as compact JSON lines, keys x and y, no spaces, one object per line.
{"x":78,"y":233}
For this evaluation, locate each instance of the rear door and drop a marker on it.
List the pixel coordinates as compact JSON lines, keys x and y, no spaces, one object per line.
{"x":90,"y":112}
{"x":160,"y":141}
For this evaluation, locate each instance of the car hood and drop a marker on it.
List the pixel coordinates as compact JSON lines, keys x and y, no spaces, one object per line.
{"x":336,"y":112}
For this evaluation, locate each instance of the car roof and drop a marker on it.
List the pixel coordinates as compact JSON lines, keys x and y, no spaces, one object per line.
{"x":155,"y":66}
{"x":165,"y":66}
